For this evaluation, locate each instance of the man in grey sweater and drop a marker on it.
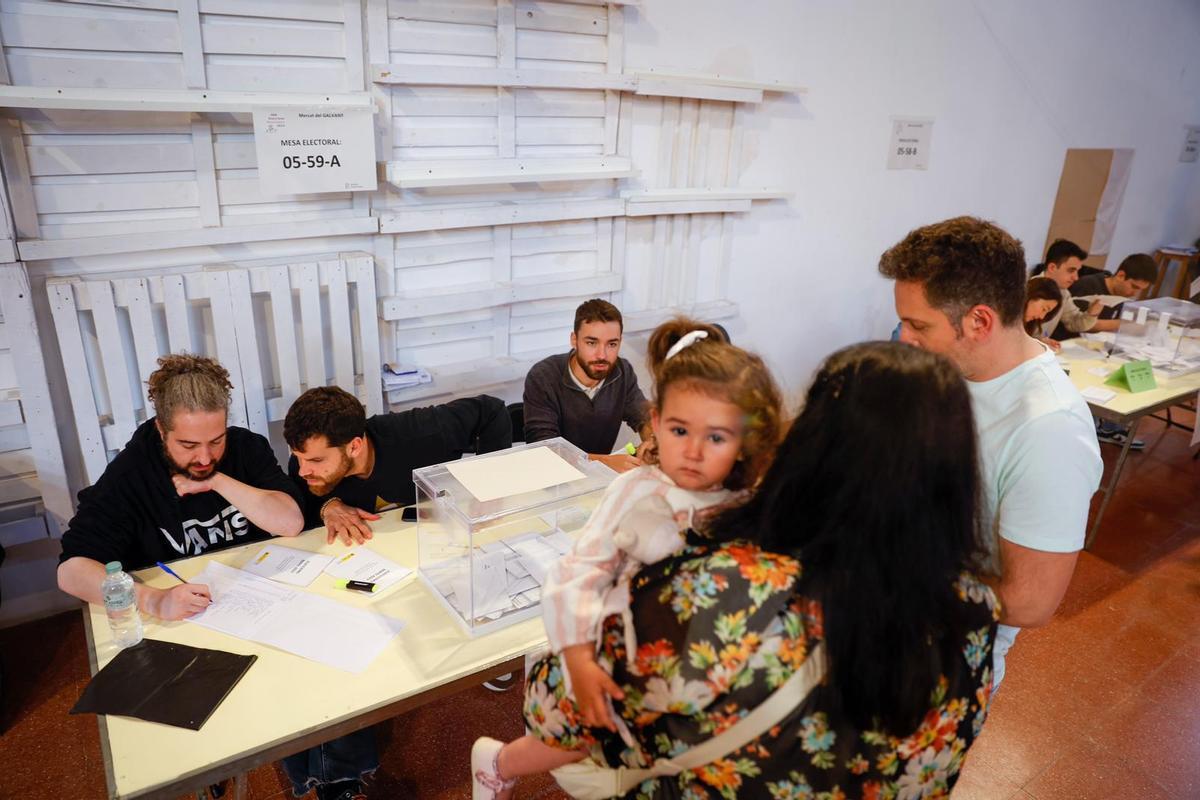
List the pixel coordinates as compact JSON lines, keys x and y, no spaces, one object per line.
{"x":585,"y":395}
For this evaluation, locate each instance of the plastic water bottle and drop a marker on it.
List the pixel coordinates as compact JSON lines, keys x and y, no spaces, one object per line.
{"x":120,"y":603}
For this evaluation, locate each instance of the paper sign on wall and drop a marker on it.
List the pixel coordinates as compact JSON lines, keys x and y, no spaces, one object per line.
{"x":909,"y":147}
{"x":1136,"y":376}
{"x":310,"y":150}
{"x":1191,"y":144}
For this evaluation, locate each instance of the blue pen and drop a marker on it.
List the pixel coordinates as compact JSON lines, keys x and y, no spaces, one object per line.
{"x":169,"y":571}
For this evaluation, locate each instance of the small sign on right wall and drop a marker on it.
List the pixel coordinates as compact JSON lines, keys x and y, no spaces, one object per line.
{"x":1191,"y":144}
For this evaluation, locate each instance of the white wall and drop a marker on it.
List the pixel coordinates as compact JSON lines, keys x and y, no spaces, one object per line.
{"x":1011,"y":85}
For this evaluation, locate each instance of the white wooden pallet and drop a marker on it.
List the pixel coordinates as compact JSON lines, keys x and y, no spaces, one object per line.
{"x":654,"y":202}
{"x":490,"y":295}
{"x":23,"y":339}
{"x":417,"y":174}
{"x":448,"y":217}
{"x":644,"y":82}
{"x":100,"y":379}
{"x":40,"y":249}
{"x":198,"y":100}
{"x":423,"y":75}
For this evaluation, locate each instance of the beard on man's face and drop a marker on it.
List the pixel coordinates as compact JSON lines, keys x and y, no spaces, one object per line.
{"x":322,"y":486}
{"x":189,"y":470}
{"x":595,"y":370}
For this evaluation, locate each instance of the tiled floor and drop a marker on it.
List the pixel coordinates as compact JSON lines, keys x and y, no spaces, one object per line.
{"x":1102,"y":703}
{"x":1105,"y":701}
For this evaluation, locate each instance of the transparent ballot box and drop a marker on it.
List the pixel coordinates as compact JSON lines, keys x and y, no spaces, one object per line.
{"x":1165,"y":331}
{"x":489,"y":527}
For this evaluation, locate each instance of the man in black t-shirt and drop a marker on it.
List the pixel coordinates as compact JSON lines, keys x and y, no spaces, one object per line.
{"x":1133,"y":277}
{"x":186,"y":483}
{"x":350,"y":465}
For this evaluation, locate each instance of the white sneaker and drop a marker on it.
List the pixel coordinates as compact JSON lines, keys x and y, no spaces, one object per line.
{"x":486,"y":783}
{"x":501,"y":683}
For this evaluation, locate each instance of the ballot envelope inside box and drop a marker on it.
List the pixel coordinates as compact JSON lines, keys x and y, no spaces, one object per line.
{"x":490,"y":527}
{"x":1164,"y":331}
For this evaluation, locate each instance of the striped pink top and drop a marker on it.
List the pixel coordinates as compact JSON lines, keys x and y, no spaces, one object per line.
{"x":638,"y":521}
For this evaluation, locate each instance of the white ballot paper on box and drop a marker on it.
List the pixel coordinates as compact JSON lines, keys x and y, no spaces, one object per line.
{"x":287,"y":565}
{"x":307,"y":625}
{"x":364,"y":564}
{"x":508,"y":474}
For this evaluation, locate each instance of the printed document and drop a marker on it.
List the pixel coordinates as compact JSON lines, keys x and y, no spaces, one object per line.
{"x":287,"y":564}
{"x":307,"y":625}
{"x":364,"y":564}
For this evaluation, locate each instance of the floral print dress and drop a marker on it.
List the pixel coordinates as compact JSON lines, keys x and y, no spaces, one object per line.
{"x":720,"y":627}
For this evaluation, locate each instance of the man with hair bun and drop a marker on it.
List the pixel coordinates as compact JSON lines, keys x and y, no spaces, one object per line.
{"x":185,"y":484}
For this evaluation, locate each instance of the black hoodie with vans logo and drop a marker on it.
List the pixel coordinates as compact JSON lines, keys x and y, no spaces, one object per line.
{"x":134,"y":515}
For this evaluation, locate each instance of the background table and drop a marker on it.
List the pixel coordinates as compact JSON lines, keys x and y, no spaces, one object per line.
{"x":1127,"y":408}
{"x":285,"y":703}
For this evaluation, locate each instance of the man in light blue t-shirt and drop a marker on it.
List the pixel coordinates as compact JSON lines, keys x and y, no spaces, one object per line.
{"x":960,"y":291}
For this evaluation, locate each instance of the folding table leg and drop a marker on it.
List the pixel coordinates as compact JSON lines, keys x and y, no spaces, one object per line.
{"x":1112,"y":482}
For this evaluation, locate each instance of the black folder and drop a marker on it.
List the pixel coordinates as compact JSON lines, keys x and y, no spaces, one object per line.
{"x":164,"y":682}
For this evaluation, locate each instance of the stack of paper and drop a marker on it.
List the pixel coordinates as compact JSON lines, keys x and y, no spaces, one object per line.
{"x":288,"y":565}
{"x":310,"y":626}
{"x":364,"y":564}
{"x":512,"y":473}
{"x":400,"y":376}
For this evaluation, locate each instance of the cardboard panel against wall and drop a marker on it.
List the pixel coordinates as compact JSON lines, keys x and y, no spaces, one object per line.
{"x":1090,"y":191}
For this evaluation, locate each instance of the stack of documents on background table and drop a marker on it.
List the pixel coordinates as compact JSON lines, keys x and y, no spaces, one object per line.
{"x":399,"y":376}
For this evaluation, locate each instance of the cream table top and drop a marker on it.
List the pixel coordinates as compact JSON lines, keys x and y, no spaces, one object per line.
{"x":285,"y":703}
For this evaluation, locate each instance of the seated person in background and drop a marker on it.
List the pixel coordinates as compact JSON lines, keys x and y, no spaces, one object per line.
{"x":1063,"y":260}
{"x":1042,"y":300}
{"x":186,"y":483}
{"x":350,"y":465}
{"x":879,"y":576}
{"x":1135,"y":275}
{"x":584,"y":395}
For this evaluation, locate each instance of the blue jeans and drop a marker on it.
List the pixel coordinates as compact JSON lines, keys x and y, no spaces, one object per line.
{"x":346,"y":758}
